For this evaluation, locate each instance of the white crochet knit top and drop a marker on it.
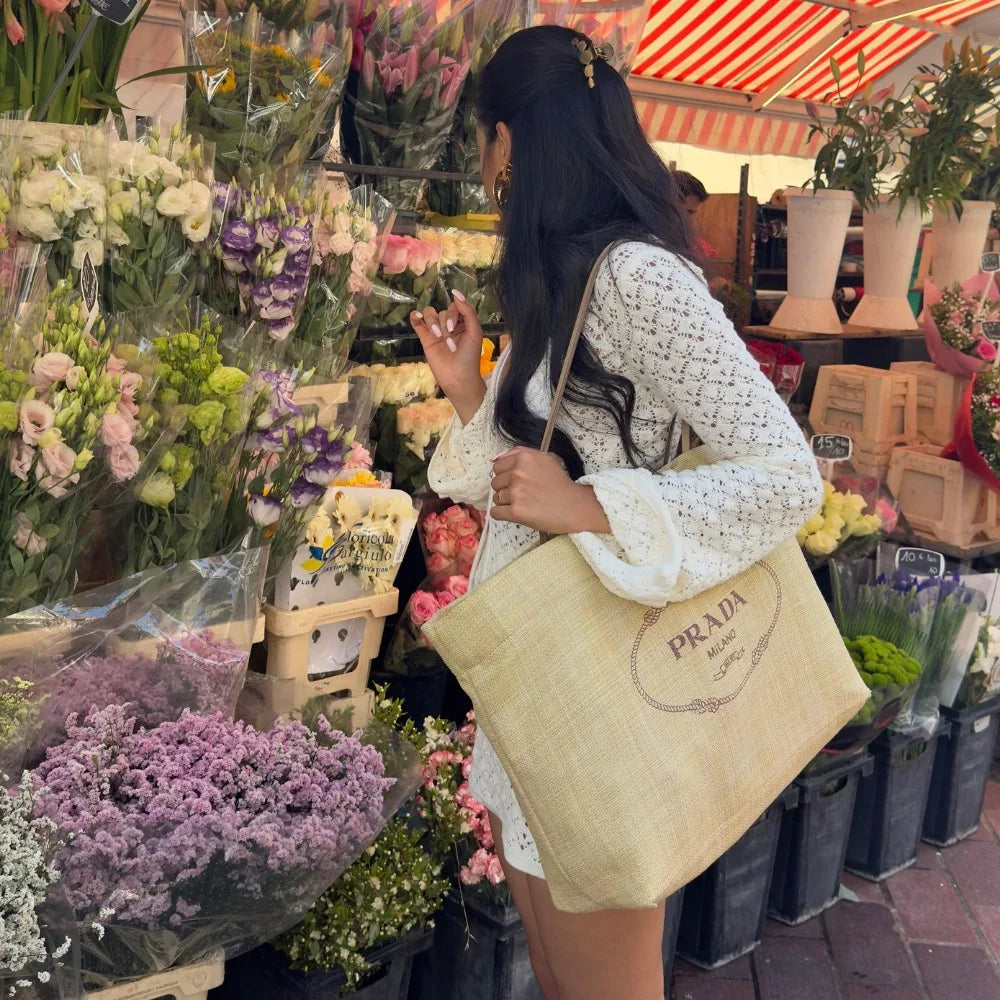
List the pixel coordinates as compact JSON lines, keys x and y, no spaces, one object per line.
{"x":673,"y":534}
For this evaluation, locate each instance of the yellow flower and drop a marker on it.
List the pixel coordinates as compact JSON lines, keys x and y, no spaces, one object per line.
{"x":486,"y":362}
{"x":282,"y":98}
{"x":326,"y":82}
{"x":228,"y":85}
{"x":362,"y":477}
{"x":280,"y":51}
{"x":814,"y":524}
{"x":820,"y":544}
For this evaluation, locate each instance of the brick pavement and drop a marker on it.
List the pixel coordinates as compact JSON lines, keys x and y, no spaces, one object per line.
{"x":931,"y":932}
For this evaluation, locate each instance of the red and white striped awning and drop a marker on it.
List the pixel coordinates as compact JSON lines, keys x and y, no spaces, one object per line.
{"x":771,"y":51}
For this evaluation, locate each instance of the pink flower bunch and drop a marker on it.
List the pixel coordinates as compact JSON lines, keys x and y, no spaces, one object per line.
{"x":425,"y":604}
{"x":407,"y":254}
{"x":402,"y":70}
{"x":186,"y":824}
{"x":450,"y":540}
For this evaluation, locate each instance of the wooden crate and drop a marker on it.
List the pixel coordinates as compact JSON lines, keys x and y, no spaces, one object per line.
{"x":288,"y":638}
{"x":326,"y":397}
{"x":877,"y":408}
{"x":940,"y":499}
{"x":939,"y":395}
{"x":189,"y":983}
{"x":872,"y":460}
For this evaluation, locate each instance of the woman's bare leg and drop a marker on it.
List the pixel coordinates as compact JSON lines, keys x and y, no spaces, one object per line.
{"x":613,"y":955}
{"x":517,"y":882}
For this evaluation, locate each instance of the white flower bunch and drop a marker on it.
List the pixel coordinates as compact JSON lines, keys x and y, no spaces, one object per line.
{"x":399,"y":384}
{"x":26,"y":872}
{"x":462,"y":248}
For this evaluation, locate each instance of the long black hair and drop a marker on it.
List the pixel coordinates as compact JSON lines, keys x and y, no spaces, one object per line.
{"x":583,"y":175}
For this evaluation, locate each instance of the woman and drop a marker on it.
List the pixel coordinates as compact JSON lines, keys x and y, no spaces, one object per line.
{"x":571,"y":172}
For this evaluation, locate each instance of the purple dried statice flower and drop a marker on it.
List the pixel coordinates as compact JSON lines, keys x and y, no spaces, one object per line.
{"x":203,"y":817}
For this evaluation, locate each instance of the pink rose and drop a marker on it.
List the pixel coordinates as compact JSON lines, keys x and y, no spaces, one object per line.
{"x":51,"y":367}
{"x":467,"y":526}
{"x":467,"y":548}
{"x":423,"y":607}
{"x":115,"y":366}
{"x":444,"y":598}
{"x":55,"y":469}
{"x":986,"y":350}
{"x":453,"y":514}
{"x":439,"y":565}
{"x":457,"y":586}
{"x":21,"y":457}
{"x":123,"y":460}
{"x":430,"y":523}
{"x":888,"y":515}
{"x":396,"y":255}
{"x":36,"y":418}
{"x":116,"y":431}
{"x":443,"y":543}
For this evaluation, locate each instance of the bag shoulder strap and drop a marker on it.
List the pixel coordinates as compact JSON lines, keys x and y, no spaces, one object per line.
{"x":574,"y":340}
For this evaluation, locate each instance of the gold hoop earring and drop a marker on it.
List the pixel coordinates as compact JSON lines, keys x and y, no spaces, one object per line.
{"x":501,"y":188}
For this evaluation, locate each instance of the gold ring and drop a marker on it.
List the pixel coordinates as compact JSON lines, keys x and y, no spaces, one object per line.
{"x":498,"y":499}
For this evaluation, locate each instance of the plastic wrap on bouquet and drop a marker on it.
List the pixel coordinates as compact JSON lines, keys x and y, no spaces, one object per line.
{"x":262,"y":94}
{"x":489,"y":26}
{"x":978,"y":415}
{"x":980,"y":352}
{"x":415,"y":62}
{"x":350,"y":239}
{"x":449,"y":539}
{"x":782,"y":365}
{"x":409,"y":279}
{"x":856,"y":515}
{"x":23,"y":289}
{"x":616,"y":27}
{"x":410,"y":652}
{"x":978,"y":679}
{"x":159,"y":215}
{"x":157,"y":642}
{"x":467,"y":260}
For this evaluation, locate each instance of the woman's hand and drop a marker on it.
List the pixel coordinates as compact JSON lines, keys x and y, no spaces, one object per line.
{"x":453,"y":345}
{"x":532,"y":488}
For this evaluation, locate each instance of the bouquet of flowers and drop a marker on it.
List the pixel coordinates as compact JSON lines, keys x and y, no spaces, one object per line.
{"x":405,"y":447}
{"x":782,"y":365}
{"x":410,"y":653}
{"x":159,"y":213}
{"x":449,"y":538}
{"x":412,"y":72}
{"x":204,"y":406}
{"x":410,"y":269}
{"x":953,"y":324}
{"x":842,"y":530}
{"x":261,"y":94}
{"x":977,"y":429}
{"x":467,"y":259}
{"x":67,"y":430}
{"x":981,"y":680}
{"x":491,"y":26}
{"x":397,"y":385}
{"x":350,"y":237}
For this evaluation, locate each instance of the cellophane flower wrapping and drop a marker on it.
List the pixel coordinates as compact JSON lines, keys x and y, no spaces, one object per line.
{"x":261,"y":94}
{"x":981,"y":680}
{"x":351,"y":233}
{"x":69,"y":424}
{"x":467,"y":259}
{"x":887,"y":623}
{"x":415,"y":62}
{"x":615,"y":28}
{"x":490,"y":25}
{"x":976,"y":443}
{"x":782,"y":365}
{"x":449,"y":539}
{"x":952,"y":323}
{"x":60,"y":197}
{"x":409,"y":279}
{"x":849,"y":525}
{"x":159,"y":215}
{"x":202,"y":404}
{"x":259,"y":258}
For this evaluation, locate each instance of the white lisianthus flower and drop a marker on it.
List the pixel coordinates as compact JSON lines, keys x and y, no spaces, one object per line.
{"x":116,"y":236}
{"x":92,"y":247}
{"x":85,"y":192}
{"x":86,"y":229}
{"x":174,"y":202}
{"x":196,"y":227}
{"x":126,"y":202}
{"x":43,"y":146}
{"x":38,"y":223}
{"x":42,"y":189}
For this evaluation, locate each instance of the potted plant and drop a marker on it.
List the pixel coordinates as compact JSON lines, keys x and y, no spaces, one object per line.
{"x":861,"y":144}
{"x":955,"y":149}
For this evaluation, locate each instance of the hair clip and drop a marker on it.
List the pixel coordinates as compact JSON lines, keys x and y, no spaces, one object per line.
{"x":588,"y":53}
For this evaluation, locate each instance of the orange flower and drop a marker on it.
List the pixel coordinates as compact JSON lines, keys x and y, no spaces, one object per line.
{"x":486,"y":362}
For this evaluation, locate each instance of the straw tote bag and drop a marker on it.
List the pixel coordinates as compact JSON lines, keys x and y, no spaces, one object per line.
{"x":643,"y":742}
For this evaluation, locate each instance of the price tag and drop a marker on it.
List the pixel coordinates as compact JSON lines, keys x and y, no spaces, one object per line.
{"x":991,"y":329}
{"x":88,"y":283}
{"x":118,"y":11}
{"x":832,"y":447}
{"x":991,"y":262}
{"x":920,"y":562}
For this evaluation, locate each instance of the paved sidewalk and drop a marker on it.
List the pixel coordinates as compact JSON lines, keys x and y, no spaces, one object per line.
{"x":931,"y":932}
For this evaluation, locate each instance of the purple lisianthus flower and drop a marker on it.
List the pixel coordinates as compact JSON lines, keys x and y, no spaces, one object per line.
{"x":284,"y":288}
{"x":264,"y":510}
{"x":279,"y":329}
{"x":297,"y":238}
{"x":238,"y":236}
{"x":335,"y":451}
{"x":267,"y":233}
{"x":305,"y":494}
{"x":233,"y":262}
{"x":315,"y":442}
{"x":276,"y":310}
{"x":321,"y":471}
{"x":298,"y":264}
{"x":282,"y":386}
{"x":272,"y":441}
{"x":262,"y":295}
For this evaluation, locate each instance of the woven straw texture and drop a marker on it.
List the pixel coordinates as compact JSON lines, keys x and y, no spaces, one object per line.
{"x":643,"y":743}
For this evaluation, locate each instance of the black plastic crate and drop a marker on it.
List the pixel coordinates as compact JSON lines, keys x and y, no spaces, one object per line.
{"x":480,"y":953}
{"x":726,"y":906}
{"x":267,"y":972}
{"x":961,"y":769}
{"x":671,"y":927}
{"x":889,"y":813}
{"x":813,"y":841}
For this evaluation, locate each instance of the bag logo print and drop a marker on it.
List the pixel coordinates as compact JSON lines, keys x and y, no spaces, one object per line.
{"x":706,"y":629}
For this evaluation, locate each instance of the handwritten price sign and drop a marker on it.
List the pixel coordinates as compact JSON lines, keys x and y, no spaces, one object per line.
{"x":920,"y":562}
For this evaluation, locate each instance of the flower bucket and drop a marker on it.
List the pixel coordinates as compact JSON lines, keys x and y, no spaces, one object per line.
{"x":963,"y":447}
{"x":890,"y":242}
{"x":958,"y":243}
{"x":945,"y":357}
{"x":817,"y":227}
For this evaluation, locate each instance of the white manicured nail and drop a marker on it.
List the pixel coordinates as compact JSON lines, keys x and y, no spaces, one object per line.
{"x":451,"y":325}
{"x":436,"y":329}
{"x":456,"y":294}
{"x":418,"y":315}
{"x":452,"y":346}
